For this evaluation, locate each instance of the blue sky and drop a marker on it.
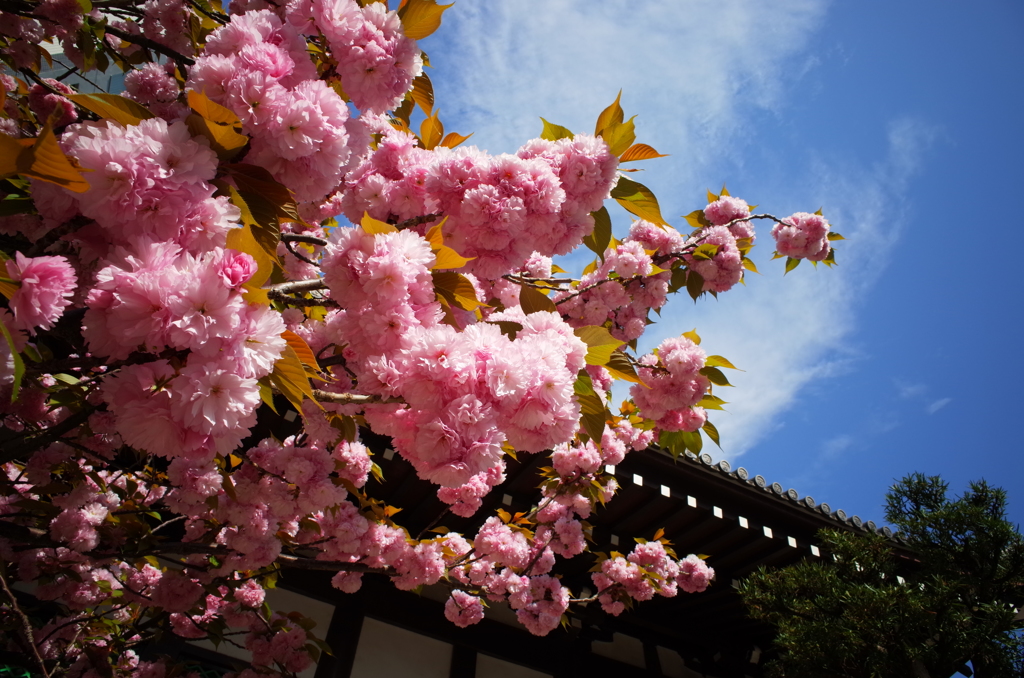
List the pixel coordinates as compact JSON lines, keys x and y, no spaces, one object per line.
{"x":900,"y":119}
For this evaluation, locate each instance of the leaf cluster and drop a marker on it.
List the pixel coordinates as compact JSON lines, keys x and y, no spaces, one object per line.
{"x":949,"y":604}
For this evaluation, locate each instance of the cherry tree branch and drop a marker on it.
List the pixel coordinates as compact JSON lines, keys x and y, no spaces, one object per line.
{"x":26,"y":627}
{"x":353,"y":398}
{"x":143,"y":41}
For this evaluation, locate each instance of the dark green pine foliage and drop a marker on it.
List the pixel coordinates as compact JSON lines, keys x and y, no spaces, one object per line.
{"x":872,"y":613}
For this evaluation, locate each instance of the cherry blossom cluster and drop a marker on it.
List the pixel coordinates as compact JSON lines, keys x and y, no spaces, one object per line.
{"x":650,"y":569}
{"x":257,"y":66}
{"x":637,"y":287}
{"x":673,"y":385}
{"x":499,"y":209}
{"x":148,"y":183}
{"x":177,"y":270}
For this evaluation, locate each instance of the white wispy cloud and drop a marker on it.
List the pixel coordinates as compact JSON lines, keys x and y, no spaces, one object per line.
{"x":938,"y":405}
{"x":698,"y":73}
{"x":688,"y":66}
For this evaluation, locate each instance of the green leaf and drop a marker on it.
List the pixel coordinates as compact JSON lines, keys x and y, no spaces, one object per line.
{"x":639,"y":200}
{"x":678,"y":280}
{"x":533,"y":300}
{"x":710,"y":402}
{"x":719,"y":361}
{"x":268,"y":198}
{"x":267,"y":394}
{"x":593,"y":424}
{"x":697,"y":219}
{"x":508,"y":328}
{"x":113,"y":107}
{"x":749,"y":265}
{"x":600,"y":343}
{"x":672,"y":442}
{"x":694,"y":284}
{"x":705,"y":252}
{"x":584,"y":385}
{"x":19,"y":364}
{"x":712,"y":433}
{"x":693,"y":441}
{"x":620,"y":367}
{"x":346,"y":426}
{"x":457,"y":290}
{"x":598,"y":240}
{"x":834,"y":236}
{"x":715,"y":376}
{"x":553,"y":132}
{"x":791,"y":263}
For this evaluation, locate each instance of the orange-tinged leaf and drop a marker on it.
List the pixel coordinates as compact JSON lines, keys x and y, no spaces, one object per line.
{"x":8,"y":287}
{"x":434,"y":235}
{"x":451,"y":140}
{"x":431,"y":131}
{"x":211,"y":110}
{"x":420,"y":18}
{"x":611,"y":115}
{"x":301,"y":348}
{"x":51,"y":165}
{"x":423,"y":93}
{"x":640,"y":152}
{"x":242,"y":240}
{"x":290,"y":379}
{"x":375,"y":226}
{"x":224,"y":140}
{"x":638,"y":200}
{"x":619,"y":136}
{"x":11,"y":151}
{"x":447,"y":258}
{"x":113,"y":107}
